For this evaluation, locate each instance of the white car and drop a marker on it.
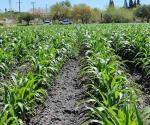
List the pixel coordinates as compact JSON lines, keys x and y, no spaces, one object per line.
{"x":47,"y":22}
{"x":66,"y":22}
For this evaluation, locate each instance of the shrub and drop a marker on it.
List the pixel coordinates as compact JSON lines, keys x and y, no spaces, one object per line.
{"x":27,"y":17}
{"x":143,"y":12}
{"x":118,"y":15}
{"x":107,"y":18}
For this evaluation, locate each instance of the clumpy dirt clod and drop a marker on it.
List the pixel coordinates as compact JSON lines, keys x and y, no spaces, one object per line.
{"x":61,"y":105}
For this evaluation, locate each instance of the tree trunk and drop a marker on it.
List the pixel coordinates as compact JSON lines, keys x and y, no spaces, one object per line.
{"x":82,"y":21}
{"x":86,"y":21}
{"x":148,"y":19}
{"x":28,"y":22}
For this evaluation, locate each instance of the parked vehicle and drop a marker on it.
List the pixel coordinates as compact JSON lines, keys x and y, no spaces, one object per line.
{"x":47,"y":22}
{"x":66,"y":22}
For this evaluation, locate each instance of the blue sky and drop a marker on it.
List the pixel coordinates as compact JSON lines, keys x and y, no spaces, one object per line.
{"x":26,"y":4}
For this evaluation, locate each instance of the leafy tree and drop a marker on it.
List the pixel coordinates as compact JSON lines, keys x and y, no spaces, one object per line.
{"x":9,"y":15}
{"x":143,"y":12}
{"x":107,"y":18}
{"x":61,"y":10}
{"x":96,"y":15}
{"x":82,"y":12}
{"x":27,"y":17}
{"x":66,"y":3}
{"x":117,"y":15}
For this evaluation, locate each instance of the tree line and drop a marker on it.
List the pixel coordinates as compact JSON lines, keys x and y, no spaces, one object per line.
{"x":130,"y":12}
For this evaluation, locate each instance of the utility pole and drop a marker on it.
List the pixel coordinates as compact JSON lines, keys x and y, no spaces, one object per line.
{"x":19,"y":3}
{"x":33,"y":3}
{"x":10,"y":9}
{"x":46,"y":9}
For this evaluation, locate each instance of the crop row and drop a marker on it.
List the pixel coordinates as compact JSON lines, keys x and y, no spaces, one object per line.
{"x":29,"y":58}
{"x":132,"y":44}
{"x":113,"y":95}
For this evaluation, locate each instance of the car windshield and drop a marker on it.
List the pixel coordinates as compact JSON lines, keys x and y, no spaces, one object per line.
{"x":46,"y":21}
{"x":65,"y":20}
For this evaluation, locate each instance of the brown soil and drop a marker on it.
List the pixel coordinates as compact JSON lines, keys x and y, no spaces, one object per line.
{"x":61,"y":105}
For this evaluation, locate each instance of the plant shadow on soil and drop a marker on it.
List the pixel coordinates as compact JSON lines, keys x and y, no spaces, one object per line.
{"x":141,"y":79}
{"x":61,"y":106}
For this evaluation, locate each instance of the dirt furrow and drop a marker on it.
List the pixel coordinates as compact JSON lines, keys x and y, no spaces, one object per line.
{"x":61,"y":105}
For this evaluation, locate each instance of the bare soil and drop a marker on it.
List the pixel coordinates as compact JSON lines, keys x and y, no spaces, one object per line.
{"x":143,"y":83}
{"x":62,"y":103}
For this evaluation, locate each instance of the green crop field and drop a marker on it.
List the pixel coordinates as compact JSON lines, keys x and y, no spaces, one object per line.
{"x":111,"y":56}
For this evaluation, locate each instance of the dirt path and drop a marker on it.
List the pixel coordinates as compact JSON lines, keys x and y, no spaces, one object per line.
{"x":61,"y":106}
